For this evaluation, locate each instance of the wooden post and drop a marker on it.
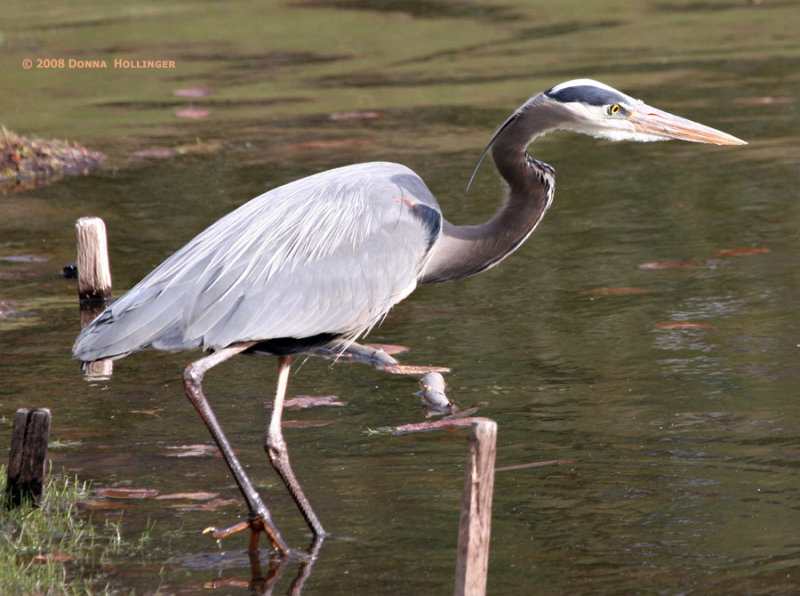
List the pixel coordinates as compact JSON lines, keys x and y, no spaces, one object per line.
{"x":474,"y":529}
{"x":27,"y":457}
{"x":94,"y":272}
{"x":94,"y":282}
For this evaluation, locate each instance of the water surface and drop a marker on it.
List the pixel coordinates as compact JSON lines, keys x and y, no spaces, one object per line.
{"x":685,"y":440}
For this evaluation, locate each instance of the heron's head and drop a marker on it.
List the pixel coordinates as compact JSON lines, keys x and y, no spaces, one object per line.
{"x":595,"y":109}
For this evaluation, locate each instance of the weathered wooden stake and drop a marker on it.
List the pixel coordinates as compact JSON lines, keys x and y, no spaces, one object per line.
{"x":474,"y":529}
{"x":94,"y":271}
{"x":94,"y":283}
{"x":27,"y":456}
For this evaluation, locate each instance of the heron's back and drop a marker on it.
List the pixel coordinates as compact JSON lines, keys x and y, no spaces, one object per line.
{"x":327,"y":254}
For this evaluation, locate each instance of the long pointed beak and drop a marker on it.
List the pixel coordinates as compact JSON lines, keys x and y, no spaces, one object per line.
{"x":657,"y":122}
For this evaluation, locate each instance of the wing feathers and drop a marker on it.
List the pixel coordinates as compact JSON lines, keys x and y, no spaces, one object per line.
{"x":331,"y":253}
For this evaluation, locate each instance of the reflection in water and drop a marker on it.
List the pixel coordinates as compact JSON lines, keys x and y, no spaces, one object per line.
{"x":266,"y":570}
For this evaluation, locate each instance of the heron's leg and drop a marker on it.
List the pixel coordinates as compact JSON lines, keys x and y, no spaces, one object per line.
{"x":342,"y":350}
{"x":377,"y":358}
{"x":259,"y":517}
{"x":275,"y":447}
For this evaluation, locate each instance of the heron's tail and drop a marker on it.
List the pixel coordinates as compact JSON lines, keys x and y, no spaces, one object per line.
{"x":137,"y":320}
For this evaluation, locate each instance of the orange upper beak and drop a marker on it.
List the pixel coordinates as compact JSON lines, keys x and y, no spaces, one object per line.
{"x":656,"y":122}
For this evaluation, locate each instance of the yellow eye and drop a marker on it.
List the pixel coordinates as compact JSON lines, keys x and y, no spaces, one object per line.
{"x":613,"y":109}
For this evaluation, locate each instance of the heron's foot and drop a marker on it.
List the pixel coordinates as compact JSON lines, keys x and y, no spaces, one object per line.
{"x":220,"y":533}
{"x":410,"y":369}
{"x":256,"y":524}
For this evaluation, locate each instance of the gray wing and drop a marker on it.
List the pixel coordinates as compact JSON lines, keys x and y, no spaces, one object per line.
{"x":331,"y":253}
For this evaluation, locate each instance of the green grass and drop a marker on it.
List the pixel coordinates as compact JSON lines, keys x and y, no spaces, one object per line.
{"x":56,"y":549}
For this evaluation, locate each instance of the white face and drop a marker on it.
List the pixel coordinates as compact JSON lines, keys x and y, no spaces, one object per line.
{"x":611,"y":122}
{"x":598,"y":110}
{"x":601,"y":111}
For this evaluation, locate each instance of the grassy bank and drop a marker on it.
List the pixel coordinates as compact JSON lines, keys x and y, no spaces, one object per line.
{"x":56,"y":548}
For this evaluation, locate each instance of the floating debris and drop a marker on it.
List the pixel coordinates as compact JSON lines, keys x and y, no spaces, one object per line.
{"x":211,"y":505}
{"x":468,"y":413}
{"x":128,"y":493}
{"x":198,"y":450}
{"x":410,"y":369}
{"x":152,"y":412}
{"x":433,"y":394}
{"x":155,"y":154}
{"x":222,"y":582}
{"x":740,"y":252}
{"x":448,"y":423}
{"x":64,"y":443}
{"x":766,"y":100}
{"x":305,"y":423}
{"x":669,"y":325}
{"x":198,"y":148}
{"x":326,"y":144}
{"x":669,"y":264}
{"x":200,"y":496}
{"x":356,"y":116}
{"x":25,"y":259}
{"x":192,"y":113}
{"x":302,"y":402}
{"x":193,"y":92}
{"x":537,"y":464}
{"x":46,"y":558}
{"x":30,"y":163}
{"x":92,"y":505}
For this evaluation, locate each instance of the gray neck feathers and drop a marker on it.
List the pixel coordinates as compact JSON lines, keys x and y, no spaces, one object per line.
{"x":462,"y":251}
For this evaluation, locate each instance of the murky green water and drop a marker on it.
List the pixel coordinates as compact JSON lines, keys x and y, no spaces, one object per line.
{"x":686,"y":440}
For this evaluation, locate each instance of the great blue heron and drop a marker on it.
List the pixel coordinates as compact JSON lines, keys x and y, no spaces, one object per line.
{"x":326,"y":257}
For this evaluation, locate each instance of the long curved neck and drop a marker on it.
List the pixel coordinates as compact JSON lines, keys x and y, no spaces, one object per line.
{"x":461,"y":251}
